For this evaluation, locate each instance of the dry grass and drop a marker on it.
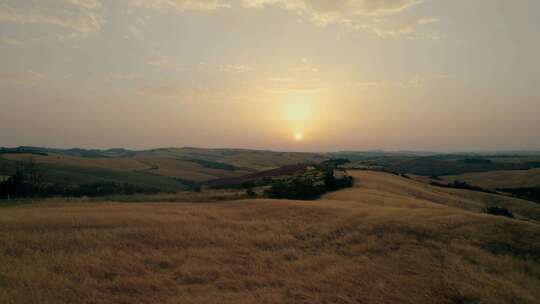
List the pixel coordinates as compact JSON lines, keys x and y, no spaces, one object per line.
{"x":383,"y":189}
{"x":500,"y":179}
{"x":205,"y":196}
{"x":378,"y":245}
{"x":266,"y":160}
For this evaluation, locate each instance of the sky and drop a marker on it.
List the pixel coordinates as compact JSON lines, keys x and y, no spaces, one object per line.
{"x":297,"y":75}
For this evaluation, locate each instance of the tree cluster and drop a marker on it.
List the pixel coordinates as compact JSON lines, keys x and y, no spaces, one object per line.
{"x":28,"y":181}
{"x":308,"y":188}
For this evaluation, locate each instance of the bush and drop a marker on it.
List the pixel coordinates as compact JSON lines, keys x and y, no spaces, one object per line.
{"x":310,"y":185}
{"x":530,"y":194}
{"x":461,"y":185}
{"x":250,"y":192}
{"x":300,"y":189}
{"x":500,"y":211}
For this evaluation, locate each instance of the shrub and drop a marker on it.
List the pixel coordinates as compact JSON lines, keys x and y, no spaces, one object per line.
{"x":298,"y":188}
{"x":196,"y":188}
{"x":309,"y":186}
{"x":250,"y":192}
{"x":500,"y":211}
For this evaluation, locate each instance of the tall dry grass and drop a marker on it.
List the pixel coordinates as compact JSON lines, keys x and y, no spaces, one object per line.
{"x":264,"y":251}
{"x":355,"y":250}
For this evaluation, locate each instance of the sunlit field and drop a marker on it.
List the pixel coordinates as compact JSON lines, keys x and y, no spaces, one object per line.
{"x":368,"y":244}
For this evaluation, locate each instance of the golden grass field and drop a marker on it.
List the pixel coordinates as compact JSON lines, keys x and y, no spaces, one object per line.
{"x":387,"y":240}
{"x":500,"y":179}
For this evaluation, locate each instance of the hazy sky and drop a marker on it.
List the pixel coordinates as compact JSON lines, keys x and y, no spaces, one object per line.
{"x":341,"y":74}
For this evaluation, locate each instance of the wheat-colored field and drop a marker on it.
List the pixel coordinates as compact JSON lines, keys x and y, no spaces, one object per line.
{"x":384,"y":189}
{"x":387,"y":240}
{"x":500,"y":179}
{"x":265,"y":160}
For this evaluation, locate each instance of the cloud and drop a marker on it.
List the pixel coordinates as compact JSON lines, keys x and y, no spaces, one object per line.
{"x":180,"y":5}
{"x":75,"y":20}
{"x":368,"y":84}
{"x":375,"y":16}
{"x":164,"y":62}
{"x":89,"y":4}
{"x":288,"y":84}
{"x":324,"y":9}
{"x":367,"y":15}
{"x":304,"y":69}
{"x":24,"y":78}
{"x":415,"y":81}
{"x":234,"y":68}
{"x":199,"y":93}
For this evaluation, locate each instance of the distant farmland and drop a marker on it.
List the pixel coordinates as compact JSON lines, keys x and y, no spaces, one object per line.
{"x":500,"y":179}
{"x":167,"y":169}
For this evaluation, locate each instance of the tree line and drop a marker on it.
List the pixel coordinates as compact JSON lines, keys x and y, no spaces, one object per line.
{"x":28,"y":180}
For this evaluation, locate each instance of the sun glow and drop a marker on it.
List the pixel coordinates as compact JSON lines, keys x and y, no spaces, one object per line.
{"x":299,"y":113}
{"x":299,"y":108}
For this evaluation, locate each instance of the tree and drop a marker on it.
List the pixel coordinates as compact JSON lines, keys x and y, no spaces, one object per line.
{"x":33,"y":172}
{"x":26,"y":181}
{"x":250,"y":192}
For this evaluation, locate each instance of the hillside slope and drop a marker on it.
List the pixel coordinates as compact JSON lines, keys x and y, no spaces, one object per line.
{"x":174,"y":168}
{"x":384,"y":189}
{"x":499,"y":179}
{"x":383,"y":241}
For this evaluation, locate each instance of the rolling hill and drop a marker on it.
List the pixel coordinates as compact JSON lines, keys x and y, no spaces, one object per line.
{"x":388,"y":239}
{"x":500,"y":179}
{"x":166,"y":169}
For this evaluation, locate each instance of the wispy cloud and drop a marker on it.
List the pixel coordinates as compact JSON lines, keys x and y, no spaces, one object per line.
{"x":327,"y":10}
{"x":90,"y":4}
{"x":279,"y":84}
{"x":415,"y":81}
{"x":376,"y":16}
{"x":234,"y":68}
{"x":199,"y":93}
{"x":165,"y":62}
{"x":180,"y":5}
{"x":428,"y":21}
{"x":75,"y":18}
{"x":22,"y":78}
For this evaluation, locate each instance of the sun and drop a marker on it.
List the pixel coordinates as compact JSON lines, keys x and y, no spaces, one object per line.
{"x":298,"y":136}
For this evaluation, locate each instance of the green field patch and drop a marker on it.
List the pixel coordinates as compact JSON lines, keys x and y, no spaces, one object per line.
{"x":211,"y":164}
